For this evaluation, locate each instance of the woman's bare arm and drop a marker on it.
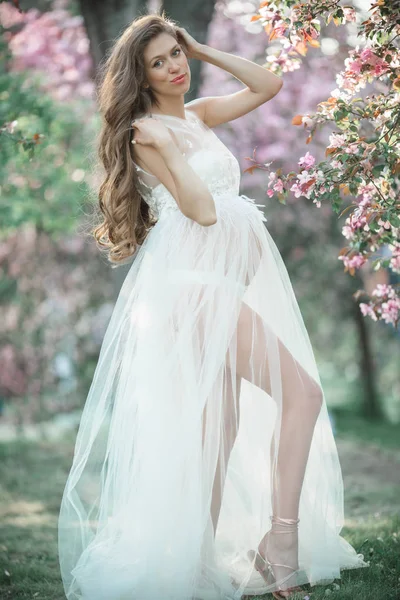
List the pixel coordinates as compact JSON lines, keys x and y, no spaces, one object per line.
{"x":194,"y":196}
{"x":191,"y":194}
{"x":164,"y":160}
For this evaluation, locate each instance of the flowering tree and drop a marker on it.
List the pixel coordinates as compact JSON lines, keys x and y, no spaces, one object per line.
{"x":308,"y":239}
{"x":54,"y":181}
{"x":362,"y":158}
{"x":54,"y":44}
{"x":50,"y":50}
{"x":50,"y":338}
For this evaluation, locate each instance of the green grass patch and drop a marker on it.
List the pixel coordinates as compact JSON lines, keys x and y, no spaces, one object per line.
{"x":381,"y":433}
{"x":33,"y":476}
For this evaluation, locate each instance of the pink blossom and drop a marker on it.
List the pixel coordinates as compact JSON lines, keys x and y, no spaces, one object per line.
{"x":350,"y":14}
{"x":55,"y":44}
{"x":307,"y":161}
{"x":304,"y":177}
{"x":367,"y":190}
{"x":390,"y":310}
{"x":367,"y":54}
{"x":280,"y":28}
{"x":395,"y":260}
{"x":357,"y":220}
{"x":353,"y":262}
{"x":278,"y":187}
{"x":10,"y":16}
{"x":395,"y":263}
{"x":348,"y":232}
{"x":266,"y":13}
{"x":363,"y":204}
{"x":368,"y":310}
{"x":355,"y":66}
{"x":352,"y":149}
{"x":270,"y":193}
{"x":382,"y":289}
{"x":336,"y":164}
{"x":385,"y":224}
{"x":296,"y":189}
{"x":336,"y":140}
{"x":380,"y":68}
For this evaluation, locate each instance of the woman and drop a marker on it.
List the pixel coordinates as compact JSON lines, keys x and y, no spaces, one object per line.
{"x":205,"y":418}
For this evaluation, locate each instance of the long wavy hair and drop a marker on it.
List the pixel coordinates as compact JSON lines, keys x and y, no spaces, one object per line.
{"x":126,"y":218}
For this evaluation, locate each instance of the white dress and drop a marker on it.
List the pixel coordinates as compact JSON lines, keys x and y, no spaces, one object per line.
{"x":189,"y":387}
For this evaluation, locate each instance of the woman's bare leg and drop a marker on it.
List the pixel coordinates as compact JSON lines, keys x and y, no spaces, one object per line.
{"x":301,"y":404}
{"x":228,"y":432}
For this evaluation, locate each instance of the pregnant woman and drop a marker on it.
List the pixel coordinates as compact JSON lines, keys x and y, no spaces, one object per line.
{"x":205,"y":465}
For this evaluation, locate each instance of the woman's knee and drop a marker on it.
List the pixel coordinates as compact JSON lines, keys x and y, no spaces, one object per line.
{"x":316,"y":396}
{"x":307,"y":400}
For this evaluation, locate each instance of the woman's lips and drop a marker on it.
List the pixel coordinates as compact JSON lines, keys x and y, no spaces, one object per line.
{"x":179,"y":79}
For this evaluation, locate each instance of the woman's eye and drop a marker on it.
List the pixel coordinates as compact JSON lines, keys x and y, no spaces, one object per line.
{"x":159,"y":61}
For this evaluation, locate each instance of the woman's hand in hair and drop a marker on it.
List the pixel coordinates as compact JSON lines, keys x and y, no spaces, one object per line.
{"x":191,"y":46}
{"x":151,"y":132}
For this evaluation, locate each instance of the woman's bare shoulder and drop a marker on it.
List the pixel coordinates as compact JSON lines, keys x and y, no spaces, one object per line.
{"x":197,"y":107}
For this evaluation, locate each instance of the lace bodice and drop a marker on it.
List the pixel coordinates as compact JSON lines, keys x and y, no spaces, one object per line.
{"x":206,"y":154}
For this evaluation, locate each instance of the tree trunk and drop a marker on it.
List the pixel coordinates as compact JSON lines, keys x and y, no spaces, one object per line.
{"x":105,"y":20}
{"x":371,"y":408}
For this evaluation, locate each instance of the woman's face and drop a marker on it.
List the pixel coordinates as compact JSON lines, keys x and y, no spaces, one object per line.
{"x":164,"y":61}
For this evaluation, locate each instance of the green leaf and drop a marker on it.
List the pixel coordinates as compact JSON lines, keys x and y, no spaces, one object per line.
{"x":394,"y":220}
{"x":377,"y":170}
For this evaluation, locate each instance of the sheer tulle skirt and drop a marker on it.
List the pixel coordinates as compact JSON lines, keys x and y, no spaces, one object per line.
{"x":184,"y":427}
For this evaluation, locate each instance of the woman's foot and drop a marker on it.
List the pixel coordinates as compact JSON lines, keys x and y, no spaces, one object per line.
{"x":279,"y":549}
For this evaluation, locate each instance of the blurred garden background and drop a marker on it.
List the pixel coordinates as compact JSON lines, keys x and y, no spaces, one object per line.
{"x":57,"y":291}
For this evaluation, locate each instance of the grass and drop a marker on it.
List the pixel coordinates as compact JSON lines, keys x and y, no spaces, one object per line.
{"x":379,"y":541}
{"x":33,"y":475}
{"x":383,"y":434}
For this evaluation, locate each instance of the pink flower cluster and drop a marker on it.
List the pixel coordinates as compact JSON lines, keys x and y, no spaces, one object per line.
{"x":55,"y":44}
{"x":307,"y":183}
{"x":356,"y":221}
{"x":387,"y":307}
{"x":361,"y":67}
{"x":276,"y":183}
{"x":395,"y":260}
{"x":354,"y":261}
{"x":336,"y":140}
{"x":369,"y":226}
{"x":307,"y":161}
{"x":350,"y":14}
{"x":340,"y":141}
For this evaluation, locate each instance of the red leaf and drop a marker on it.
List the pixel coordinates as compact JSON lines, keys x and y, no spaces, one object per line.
{"x":297,"y":120}
{"x":249,"y":170}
